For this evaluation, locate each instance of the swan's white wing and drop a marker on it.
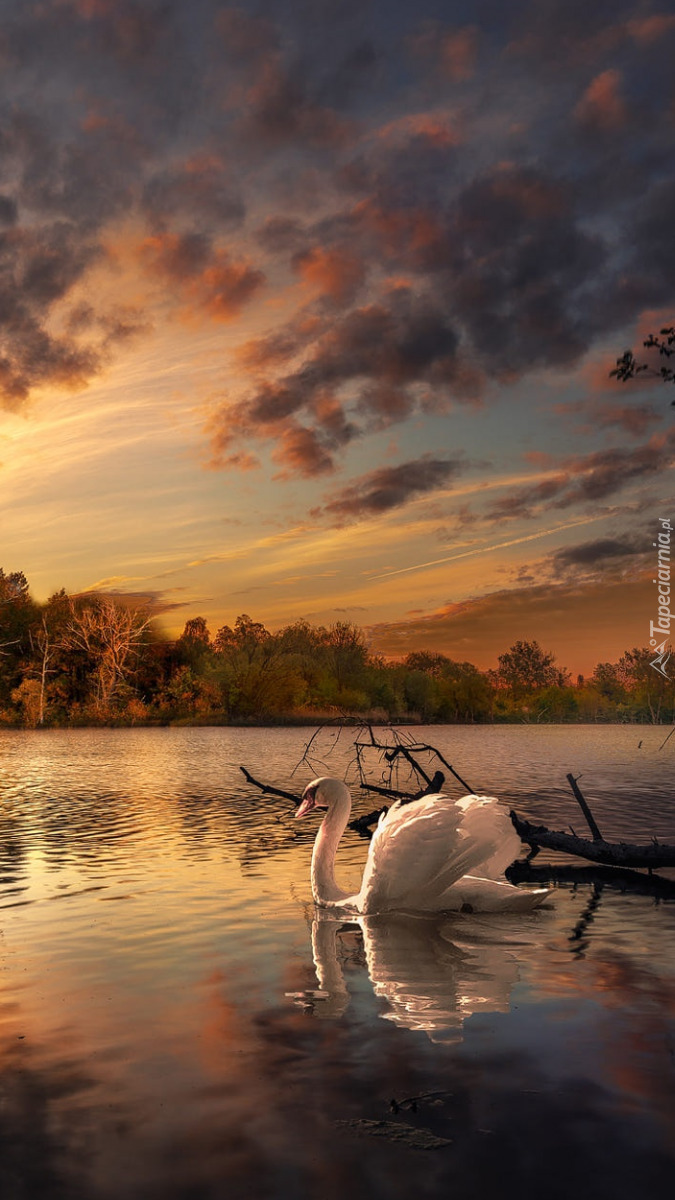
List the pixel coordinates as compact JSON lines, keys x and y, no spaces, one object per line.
{"x":419,"y":850}
{"x":488,"y":822}
{"x":473,"y":894}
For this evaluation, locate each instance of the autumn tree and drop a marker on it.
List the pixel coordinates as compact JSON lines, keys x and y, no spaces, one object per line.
{"x":17,"y":613}
{"x":650,"y":690}
{"x":253,"y":673}
{"x":193,"y":647}
{"x":525,"y":668}
{"x":428,"y":661}
{"x":303,"y":647}
{"x":347,"y":650}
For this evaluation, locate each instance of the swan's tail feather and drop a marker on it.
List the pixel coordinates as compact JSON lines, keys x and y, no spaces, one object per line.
{"x":422,"y":853}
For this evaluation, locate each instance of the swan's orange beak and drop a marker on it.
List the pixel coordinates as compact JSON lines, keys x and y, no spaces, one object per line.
{"x":307,"y":803}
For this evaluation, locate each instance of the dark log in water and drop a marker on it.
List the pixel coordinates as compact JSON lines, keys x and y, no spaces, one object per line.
{"x":616,"y":854}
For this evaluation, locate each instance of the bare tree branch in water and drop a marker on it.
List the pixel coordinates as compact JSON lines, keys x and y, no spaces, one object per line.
{"x":389,"y":755}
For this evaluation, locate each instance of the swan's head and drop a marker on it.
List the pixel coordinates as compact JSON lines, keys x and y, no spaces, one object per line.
{"x":322,"y":793}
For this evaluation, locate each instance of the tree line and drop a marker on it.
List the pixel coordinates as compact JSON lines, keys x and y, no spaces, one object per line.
{"x":96,"y":660}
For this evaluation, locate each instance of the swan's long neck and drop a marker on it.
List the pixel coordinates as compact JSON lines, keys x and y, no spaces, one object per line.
{"x":324,"y":888}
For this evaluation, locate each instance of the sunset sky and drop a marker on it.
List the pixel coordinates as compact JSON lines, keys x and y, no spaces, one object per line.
{"x":307,"y":309}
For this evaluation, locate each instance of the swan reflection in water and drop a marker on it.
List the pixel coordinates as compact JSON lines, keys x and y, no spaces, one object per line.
{"x":432,"y":971}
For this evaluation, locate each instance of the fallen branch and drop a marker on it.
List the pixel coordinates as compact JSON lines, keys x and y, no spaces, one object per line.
{"x":583,"y":805}
{"x":268,"y":790}
{"x":616,"y":854}
{"x":391,"y":753}
{"x":362,"y":825}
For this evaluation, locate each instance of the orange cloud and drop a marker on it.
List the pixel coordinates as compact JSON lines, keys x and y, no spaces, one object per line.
{"x":458,"y":52}
{"x":634,"y":418}
{"x":300,"y":449}
{"x":453,"y":51}
{"x":259,"y":353}
{"x":417,"y":229}
{"x":646,"y":30}
{"x":602,"y":105}
{"x":434,"y":127}
{"x":335,"y":273}
{"x":536,"y":197}
{"x":207,"y":278}
{"x":596,"y":376}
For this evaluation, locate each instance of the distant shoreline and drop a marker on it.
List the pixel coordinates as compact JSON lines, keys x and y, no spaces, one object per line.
{"x":304,"y":722}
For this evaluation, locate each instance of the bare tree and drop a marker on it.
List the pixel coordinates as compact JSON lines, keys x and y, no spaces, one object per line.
{"x":110,"y":635}
{"x":44,"y":648}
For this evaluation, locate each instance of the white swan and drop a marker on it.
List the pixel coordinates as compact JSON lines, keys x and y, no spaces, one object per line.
{"x":420,"y":854}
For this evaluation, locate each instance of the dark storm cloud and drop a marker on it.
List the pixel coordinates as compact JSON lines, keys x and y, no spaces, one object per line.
{"x":523,"y":262}
{"x":456,"y":193}
{"x":279,"y":109}
{"x":453,"y":52}
{"x":508,"y":256}
{"x":529,"y":500}
{"x":279,"y":235}
{"x":653,"y":260}
{"x":141,"y":109}
{"x":200,"y":190}
{"x":553,"y":34}
{"x":589,"y":478}
{"x":388,"y":488}
{"x":607,"y":471}
{"x":8,"y":211}
{"x":598,"y":552}
{"x":65,"y":169}
{"x":37,"y":268}
{"x":246,"y":38}
{"x":361,"y":371}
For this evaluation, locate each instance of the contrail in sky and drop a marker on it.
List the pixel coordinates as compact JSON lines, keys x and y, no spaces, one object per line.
{"x":435,"y":562}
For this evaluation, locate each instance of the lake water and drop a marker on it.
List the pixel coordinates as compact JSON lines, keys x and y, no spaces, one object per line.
{"x":176,"y":1023}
